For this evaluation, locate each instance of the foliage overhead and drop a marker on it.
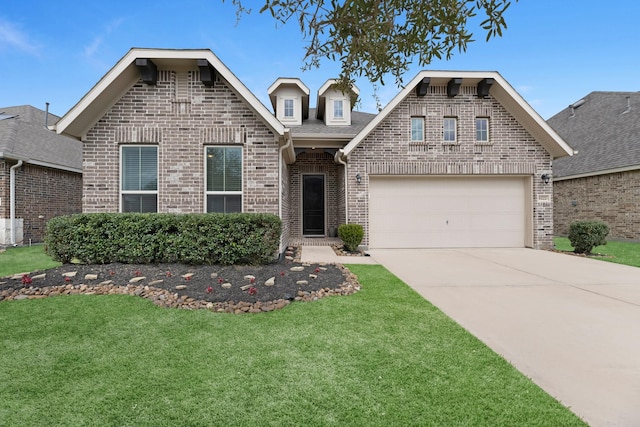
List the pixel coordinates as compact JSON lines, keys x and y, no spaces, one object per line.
{"x":373,"y":38}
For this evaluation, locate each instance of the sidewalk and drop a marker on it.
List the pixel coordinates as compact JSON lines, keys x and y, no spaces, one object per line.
{"x":326,"y":254}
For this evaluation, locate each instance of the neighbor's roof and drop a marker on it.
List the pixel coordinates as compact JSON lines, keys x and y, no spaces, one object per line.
{"x":23,"y":136}
{"x":604,"y":128}
{"x":500,"y":90}
{"x":125,"y":74}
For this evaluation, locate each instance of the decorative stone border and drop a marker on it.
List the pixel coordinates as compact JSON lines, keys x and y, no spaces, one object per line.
{"x":164,"y":298}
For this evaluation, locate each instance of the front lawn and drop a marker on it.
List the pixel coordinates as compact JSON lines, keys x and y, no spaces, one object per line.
{"x":24,"y":259}
{"x":627,"y":253}
{"x":381,"y":357}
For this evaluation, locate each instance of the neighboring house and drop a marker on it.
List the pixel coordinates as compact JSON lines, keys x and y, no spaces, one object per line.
{"x":602,"y":181}
{"x":40,"y":174}
{"x":456,"y":159}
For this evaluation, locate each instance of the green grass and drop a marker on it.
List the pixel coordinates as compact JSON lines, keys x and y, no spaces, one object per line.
{"x":627,"y":253}
{"x":25,"y":259}
{"x":381,"y":357}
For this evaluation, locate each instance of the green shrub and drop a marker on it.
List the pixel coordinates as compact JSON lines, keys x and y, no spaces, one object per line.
{"x":351,"y":235}
{"x":585,"y":235}
{"x":104,"y":238}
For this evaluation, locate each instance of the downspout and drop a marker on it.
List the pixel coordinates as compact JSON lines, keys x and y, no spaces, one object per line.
{"x":338,"y":159}
{"x":287,"y":135}
{"x":12,"y":203}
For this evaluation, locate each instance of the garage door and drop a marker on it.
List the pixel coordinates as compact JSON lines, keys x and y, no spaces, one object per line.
{"x":418,"y":212}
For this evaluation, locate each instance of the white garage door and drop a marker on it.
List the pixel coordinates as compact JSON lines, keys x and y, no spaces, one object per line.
{"x":447,"y":212}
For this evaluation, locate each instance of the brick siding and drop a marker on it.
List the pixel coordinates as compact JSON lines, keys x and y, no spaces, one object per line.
{"x":320,"y":163}
{"x":41,"y":194}
{"x":612,"y":198}
{"x":512,"y":151}
{"x":181,"y":116}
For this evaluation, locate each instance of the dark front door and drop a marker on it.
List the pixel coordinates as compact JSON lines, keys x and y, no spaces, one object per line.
{"x":313,"y":204}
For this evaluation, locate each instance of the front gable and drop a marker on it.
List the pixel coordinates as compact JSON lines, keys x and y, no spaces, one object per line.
{"x":186,"y":113}
{"x":475,"y":87}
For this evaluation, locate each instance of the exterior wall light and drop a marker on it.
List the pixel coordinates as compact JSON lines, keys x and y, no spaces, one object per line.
{"x":358,"y":178}
{"x":545,"y":178}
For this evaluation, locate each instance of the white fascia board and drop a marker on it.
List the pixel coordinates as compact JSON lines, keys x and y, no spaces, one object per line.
{"x":597,"y":173}
{"x":327,"y":85}
{"x":288,"y":81}
{"x":501,"y":90}
{"x":124,"y":74}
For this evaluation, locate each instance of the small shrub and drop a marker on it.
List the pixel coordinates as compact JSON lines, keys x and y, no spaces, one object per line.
{"x":585,"y":235}
{"x":351,"y":235}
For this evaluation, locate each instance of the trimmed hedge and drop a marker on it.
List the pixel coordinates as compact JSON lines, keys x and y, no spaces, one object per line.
{"x":351,"y":235}
{"x":585,"y":235}
{"x":134,"y":238}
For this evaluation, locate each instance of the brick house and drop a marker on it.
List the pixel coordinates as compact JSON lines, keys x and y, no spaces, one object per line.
{"x":455,"y":159}
{"x":40,"y":174}
{"x":602,"y":180}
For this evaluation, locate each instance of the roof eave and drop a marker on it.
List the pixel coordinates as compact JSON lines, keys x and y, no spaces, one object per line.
{"x":119,"y":79}
{"x":502,"y":91}
{"x":597,"y":173}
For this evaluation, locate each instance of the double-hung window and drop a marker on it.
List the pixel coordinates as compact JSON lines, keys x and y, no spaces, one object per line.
{"x":450,"y":126}
{"x":139,"y":178}
{"x":288,"y":108}
{"x":417,"y":129}
{"x":224,"y":179}
{"x":338,"y":111}
{"x":482,"y":129}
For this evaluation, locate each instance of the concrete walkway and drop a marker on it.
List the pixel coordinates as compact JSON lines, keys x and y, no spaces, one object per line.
{"x":569,"y":323}
{"x":326,"y":254}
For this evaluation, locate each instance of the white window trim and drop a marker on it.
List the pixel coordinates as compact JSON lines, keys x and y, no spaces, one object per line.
{"x":422,"y":119}
{"x":293,"y":108}
{"x":455,"y":130}
{"x":345,"y":114}
{"x":335,"y":102}
{"x":222,"y":193}
{"x":156,"y":192}
{"x":479,"y":141}
{"x":296,"y":109}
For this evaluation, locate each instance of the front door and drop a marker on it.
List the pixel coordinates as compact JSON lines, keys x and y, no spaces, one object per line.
{"x":313,"y":205}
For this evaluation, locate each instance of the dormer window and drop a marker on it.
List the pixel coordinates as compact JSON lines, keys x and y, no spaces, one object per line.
{"x":290,"y":100}
{"x":338,"y":111}
{"x":334,"y":105}
{"x":288,"y":108}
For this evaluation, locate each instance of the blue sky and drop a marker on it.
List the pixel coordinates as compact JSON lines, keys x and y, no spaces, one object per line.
{"x":553,"y":53}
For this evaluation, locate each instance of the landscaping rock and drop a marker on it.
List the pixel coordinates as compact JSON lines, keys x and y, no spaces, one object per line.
{"x":90,"y":276}
{"x":302,"y":282}
{"x":226,"y":285}
{"x":297,"y":268}
{"x":137,"y":279}
{"x":70,"y":274}
{"x":39,"y":276}
{"x":181,"y":287}
{"x":270,"y":282}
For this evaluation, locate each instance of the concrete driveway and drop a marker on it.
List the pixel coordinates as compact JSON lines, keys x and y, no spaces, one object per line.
{"x":569,"y":323}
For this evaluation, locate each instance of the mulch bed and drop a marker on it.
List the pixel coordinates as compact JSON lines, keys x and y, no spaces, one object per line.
{"x":230,"y":289}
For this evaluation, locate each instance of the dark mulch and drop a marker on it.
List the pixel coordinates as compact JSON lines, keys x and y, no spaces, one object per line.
{"x":203,"y":283}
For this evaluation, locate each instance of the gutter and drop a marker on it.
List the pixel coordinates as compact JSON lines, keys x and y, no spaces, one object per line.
{"x":339,"y":159}
{"x":12,"y":200}
{"x":287,"y":145}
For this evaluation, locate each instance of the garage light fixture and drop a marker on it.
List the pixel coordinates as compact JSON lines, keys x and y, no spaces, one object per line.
{"x":358,"y":178}
{"x":545,"y":178}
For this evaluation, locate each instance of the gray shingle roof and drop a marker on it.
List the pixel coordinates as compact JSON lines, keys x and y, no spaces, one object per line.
{"x":23,"y":135}
{"x":605,"y":136}
{"x":317,"y":127}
